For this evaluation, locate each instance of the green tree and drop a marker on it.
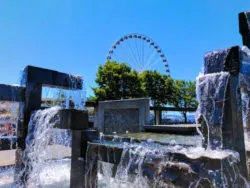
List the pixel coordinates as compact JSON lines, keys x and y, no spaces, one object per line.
{"x":184,"y":96}
{"x":158,"y":87}
{"x":116,"y":81}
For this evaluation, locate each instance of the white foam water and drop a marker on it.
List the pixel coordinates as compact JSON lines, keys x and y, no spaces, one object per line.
{"x":210,"y":89}
{"x":41,"y":137}
{"x":112,"y":177}
{"x":54,"y":174}
{"x":130,"y":171}
{"x":46,"y":146}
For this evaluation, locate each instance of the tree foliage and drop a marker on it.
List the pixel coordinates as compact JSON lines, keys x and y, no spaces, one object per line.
{"x":157,"y":86}
{"x":116,"y":81}
{"x":184,"y":95}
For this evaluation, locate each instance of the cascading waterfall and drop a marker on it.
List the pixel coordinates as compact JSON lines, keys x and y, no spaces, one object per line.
{"x":66,"y":98}
{"x":211,"y":95}
{"x":146,"y":164}
{"x":211,"y":92}
{"x":48,"y":149}
{"x":143,"y":164}
{"x":130,"y":171}
{"x":41,"y":148}
{"x":44,"y":154}
{"x":46,"y":146}
{"x":136,"y":157}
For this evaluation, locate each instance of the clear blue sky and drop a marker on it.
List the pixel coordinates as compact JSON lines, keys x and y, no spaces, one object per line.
{"x":75,"y":36}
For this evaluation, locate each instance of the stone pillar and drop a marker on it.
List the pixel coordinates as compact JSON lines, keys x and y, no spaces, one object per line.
{"x":77,"y":122}
{"x":233,"y":130}
{"x":77,"y":160}
{"x":248,"y":114}
{"x":34,"y":78}
{"x":244,"y":27}
{"x":123,"y":115}
{"x":158,"y":117}
{"x":91,"y":167}
{"x":220,"y":102}
{"x":96,"y":116}
{"x":83,"y":172}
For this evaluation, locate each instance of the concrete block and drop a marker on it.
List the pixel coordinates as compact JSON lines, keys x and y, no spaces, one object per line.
{"x":52,"y":78}
{"x":178,"y":169}
{"x":244,"y":27}
{"x":222,"y":60}
{"x":72,"y":119}
{"x":122,"y":115}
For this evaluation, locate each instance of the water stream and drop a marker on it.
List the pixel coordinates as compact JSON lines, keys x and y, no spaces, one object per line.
{"x":48,"y":149}
{"x":148,"y":164}
{"x":142,"y":165}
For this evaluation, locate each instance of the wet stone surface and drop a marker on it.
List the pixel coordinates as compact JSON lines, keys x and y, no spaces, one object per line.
{"x":121,"y":120}
{"x":211,"y":94}
{"x":214,"y":61}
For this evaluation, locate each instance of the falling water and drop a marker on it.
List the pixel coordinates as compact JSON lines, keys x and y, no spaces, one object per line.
{"x":41,"y":147}
{"x":48,"y":149}
{"x":44,"y":160}
{"x":46,"y":146}
{"x":147,"y":164}
{"x":66,"y":98}
{"x":130,"y":172}
{"x":213,"y":61}
{"x":47,"y":155}
{"x":211,"y":95}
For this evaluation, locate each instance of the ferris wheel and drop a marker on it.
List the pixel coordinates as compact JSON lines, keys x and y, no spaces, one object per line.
{"x":140,"y":52}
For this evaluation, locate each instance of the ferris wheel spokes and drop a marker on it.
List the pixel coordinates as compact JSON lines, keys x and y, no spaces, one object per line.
{"x":139,"y":51}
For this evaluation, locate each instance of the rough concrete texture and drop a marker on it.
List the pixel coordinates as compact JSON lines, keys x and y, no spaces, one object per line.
{"x":122,"y":115}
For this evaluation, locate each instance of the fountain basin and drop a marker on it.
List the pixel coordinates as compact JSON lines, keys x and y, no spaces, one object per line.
{"x":183,"y":129}
{"x":173,"y":166}
{"x":161,"y":138}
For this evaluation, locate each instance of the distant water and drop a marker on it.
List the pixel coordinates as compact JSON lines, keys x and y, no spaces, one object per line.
{"x":174,"y":117}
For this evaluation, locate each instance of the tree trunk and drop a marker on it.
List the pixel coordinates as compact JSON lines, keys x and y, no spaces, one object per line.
{"x":158,"y":117}
{"x":185,"y":117}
